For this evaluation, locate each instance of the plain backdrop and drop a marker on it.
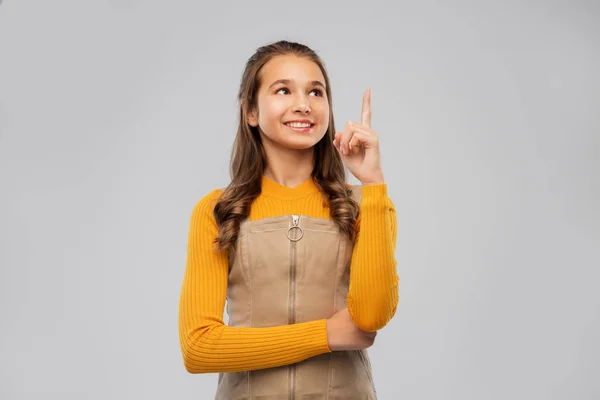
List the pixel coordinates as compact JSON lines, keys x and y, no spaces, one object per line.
{"x":117,"y":116}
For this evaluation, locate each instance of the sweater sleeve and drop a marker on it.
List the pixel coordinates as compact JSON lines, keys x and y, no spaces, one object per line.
{"x":207,"y":344}
{"x":373,"y":293}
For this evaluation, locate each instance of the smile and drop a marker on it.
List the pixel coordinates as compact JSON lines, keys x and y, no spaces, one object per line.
{"x":300,"y":126}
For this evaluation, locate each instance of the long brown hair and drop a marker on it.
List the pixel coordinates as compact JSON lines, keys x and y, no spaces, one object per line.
{"x":248,"y":158}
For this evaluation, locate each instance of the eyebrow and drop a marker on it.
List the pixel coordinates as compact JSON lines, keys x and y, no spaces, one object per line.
{"x":290,"y":82}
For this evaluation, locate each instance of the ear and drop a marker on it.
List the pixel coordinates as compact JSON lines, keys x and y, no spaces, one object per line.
{"x":251,"y":115}
{"x":253,"y":118}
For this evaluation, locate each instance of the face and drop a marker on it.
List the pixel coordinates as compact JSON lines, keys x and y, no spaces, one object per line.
{"x":292,"y":108}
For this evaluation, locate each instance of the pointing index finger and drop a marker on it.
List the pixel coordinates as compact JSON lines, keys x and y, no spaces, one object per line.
{"x":366,"y":109}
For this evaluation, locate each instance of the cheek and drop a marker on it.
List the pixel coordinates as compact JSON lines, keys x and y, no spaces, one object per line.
{"x":322,"y":106}
{"x":271,"y":113}
{"x":323,"y":110}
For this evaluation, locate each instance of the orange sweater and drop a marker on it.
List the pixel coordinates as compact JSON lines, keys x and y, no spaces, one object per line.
{"x":208,"y":345}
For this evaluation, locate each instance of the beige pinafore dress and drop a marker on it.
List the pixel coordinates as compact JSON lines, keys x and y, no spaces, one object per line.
{"x":292,"y":269}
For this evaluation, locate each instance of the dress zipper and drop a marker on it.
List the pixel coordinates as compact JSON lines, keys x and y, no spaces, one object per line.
{"x":295,"y":233}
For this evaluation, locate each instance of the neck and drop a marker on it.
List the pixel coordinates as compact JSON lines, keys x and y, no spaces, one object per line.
{"x":288,"y":167}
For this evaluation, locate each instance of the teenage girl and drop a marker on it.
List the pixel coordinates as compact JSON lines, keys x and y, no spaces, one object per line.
{"x":304,"y":261}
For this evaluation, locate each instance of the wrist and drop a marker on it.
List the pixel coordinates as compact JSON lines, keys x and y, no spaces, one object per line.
{"x":376,"y":179}
{"x":371,"y":183}
{"x":330,"y":334}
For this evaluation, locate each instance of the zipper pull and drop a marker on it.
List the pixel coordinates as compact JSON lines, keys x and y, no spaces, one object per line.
{"x":295,"y":225}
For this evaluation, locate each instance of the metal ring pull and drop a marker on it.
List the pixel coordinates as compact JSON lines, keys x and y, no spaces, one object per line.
{"x":295,"y":227}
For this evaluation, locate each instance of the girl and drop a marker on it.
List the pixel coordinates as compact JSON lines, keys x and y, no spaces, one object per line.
{"x":304,"y":261}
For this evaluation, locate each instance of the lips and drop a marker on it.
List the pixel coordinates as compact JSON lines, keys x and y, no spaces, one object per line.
{"x":297,"y":126}
{"x":300,"y":124}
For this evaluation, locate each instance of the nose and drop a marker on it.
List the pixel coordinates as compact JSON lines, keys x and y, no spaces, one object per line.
{"x":302,"y":105}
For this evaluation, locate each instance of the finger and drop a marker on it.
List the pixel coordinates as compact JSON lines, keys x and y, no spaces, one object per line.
{"x":355,"y":143}
{"x":360,"y":127}
{"x":344,"y":139}
{"x":348,"y":140}
{"x":366,"y":109}
{"x":336,"y":141}
{"x":348,"y":133}
{"x":362,"y":139}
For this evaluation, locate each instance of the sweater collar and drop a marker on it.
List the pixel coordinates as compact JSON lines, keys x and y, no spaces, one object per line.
{"x":274,"y":189}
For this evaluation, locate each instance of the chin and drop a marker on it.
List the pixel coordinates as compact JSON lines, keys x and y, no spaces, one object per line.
{"x":299,"y":144}
{"x":294,"y":141}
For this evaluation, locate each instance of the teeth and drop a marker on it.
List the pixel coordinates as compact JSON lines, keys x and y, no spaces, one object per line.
{"x":298,"y":125}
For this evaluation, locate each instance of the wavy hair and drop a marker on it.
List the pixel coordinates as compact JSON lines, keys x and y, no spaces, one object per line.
{"x":248,"y":158}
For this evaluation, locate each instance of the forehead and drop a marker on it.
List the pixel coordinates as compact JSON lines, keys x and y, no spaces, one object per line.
{"x":299,"y":69}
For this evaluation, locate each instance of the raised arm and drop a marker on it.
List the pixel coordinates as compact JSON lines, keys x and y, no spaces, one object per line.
{"x":373,"y":294}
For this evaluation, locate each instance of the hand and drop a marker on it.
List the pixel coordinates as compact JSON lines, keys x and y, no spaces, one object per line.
{"x":343,"y":334}
{"x":358,"y":145}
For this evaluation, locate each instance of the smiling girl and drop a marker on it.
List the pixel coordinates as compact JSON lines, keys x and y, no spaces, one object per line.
{"x":304,"y":261}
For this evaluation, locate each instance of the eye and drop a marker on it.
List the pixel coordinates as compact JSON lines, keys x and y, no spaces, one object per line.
{"x":282,"y":89}
{"x":319,"y":92}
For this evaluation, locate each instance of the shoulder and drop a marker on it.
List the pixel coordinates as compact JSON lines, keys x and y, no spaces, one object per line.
{"x":207,"y":203}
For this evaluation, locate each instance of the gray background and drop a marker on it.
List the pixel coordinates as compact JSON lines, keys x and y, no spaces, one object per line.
{"x":116,"y":117}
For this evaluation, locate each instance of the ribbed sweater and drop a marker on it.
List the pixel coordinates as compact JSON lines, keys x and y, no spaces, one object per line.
{"x":209,"y":345}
